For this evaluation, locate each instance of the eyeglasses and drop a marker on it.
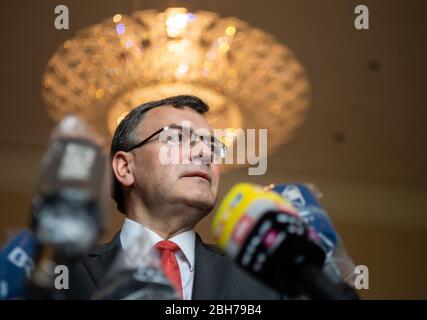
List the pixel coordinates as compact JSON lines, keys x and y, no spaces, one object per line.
{"x":182,"y":136}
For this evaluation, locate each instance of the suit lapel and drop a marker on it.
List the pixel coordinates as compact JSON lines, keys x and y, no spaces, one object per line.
{"x":100,"y":259}
{"x":210,"y":276}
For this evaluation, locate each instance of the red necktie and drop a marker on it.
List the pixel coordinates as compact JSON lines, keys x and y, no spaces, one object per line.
{"x":170,"y":266}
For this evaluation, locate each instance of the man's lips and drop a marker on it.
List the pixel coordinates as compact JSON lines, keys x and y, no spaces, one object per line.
{"x":199,"y":174}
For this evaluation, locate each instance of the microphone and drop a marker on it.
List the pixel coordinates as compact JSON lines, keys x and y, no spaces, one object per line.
{"x":265,"y":236}
{"x":304,"y":197}
{"x":69,"y":205}
{"x":16,"y":264}
{"x":310,"y":210}
{"x":136,"y":274}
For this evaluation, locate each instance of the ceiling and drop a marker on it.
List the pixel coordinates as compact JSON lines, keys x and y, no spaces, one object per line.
{"x":368,"y":114}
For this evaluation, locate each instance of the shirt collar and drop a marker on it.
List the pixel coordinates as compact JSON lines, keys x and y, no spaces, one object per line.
{"x":185,"y":240}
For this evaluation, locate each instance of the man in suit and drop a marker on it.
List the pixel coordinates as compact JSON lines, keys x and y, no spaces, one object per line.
{"x":165,"y":181}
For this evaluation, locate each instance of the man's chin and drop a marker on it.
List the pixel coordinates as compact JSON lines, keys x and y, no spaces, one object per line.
{"x":196,"y":194}
{"x":203,"y":202}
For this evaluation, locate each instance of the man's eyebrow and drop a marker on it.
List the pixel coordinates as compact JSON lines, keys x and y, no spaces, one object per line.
{"x":174,"y":125}
{"x":179,"y":126}
{"x":191,"y":129}
{"x":185,"y":127}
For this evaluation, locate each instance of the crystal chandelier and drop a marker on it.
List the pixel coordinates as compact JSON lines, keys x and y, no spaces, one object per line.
{"x":248,"y":79}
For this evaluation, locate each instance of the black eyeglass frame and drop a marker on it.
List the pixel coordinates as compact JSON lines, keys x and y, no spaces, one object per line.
{"x":192,"y":142}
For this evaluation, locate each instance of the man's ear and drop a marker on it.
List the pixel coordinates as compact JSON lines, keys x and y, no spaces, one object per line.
{"x":122,"y":168}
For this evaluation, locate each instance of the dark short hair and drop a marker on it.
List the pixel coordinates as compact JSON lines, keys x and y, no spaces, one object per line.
{"x":124,"y":138}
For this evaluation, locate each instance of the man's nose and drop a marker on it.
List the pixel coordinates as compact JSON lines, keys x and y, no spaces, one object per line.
{"x":201,"y":152}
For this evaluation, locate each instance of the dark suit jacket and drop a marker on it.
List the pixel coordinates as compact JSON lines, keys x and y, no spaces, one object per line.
{"x":215,"y":276}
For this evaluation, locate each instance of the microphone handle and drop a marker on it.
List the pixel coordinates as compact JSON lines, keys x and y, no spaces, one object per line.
{"x":317,"y":286}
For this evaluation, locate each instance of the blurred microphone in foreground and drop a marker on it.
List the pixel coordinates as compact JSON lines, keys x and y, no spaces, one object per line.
{"x":16,"y":264}
{"x":304,"y":197}
{"x":136,"y":274}
{"x":68,"y":207}
{"x":265,"y":235}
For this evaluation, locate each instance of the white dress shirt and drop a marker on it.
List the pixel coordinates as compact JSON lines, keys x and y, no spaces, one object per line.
{"x":185,"y":257}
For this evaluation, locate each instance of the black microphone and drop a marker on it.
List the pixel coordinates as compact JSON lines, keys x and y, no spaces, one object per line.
{"x":304,"y":197}
{"x":265,"y":236}
{"x":68,"y":208}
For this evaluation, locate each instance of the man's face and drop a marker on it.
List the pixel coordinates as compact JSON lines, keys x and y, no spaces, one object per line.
{"x":187,"y":180}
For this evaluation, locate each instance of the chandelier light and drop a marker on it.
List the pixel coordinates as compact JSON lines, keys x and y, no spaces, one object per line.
{"x":248,"y":79}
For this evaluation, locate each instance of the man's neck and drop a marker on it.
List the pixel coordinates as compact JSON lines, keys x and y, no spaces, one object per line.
{"x":165,"y":229}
